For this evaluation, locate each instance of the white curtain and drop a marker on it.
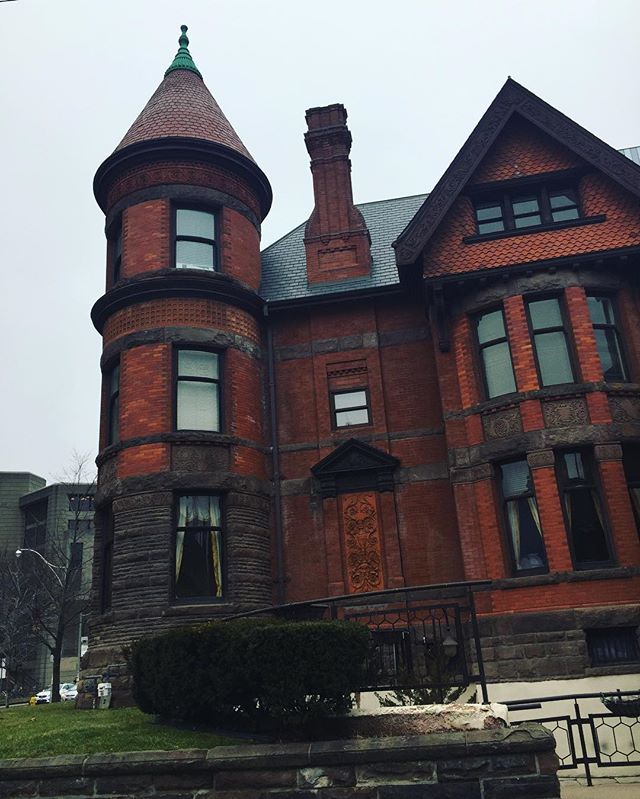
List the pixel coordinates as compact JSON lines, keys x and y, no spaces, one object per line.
{"x":514,"y":524}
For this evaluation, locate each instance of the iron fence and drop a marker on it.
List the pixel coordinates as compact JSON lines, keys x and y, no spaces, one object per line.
{"x":590,"y":738}
{"x":424,"y":637}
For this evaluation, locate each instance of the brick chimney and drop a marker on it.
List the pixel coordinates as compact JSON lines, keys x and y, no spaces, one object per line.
{"x":337,"y":242}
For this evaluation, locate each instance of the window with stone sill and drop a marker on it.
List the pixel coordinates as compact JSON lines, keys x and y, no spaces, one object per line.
{"x":195,"y":239}
{"x":198,"y":549}
{"x":494,"y":354}
{"x":116,"y":255}
{"x":583,"y":510}
{"x":197,"y":390}
{"x":112,"y":379}
{"x":526,"y":541}
{"x":608,"y":341}
{"x":631,"y":462}
{"x":523,"y":208}
{"x":350,"y":408}
{"x":550,"y":341}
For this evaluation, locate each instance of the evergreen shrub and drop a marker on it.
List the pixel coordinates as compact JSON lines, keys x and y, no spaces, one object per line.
{"x":246,"y":670}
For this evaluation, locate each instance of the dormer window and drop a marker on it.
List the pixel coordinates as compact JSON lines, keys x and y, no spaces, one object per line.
{"x":195,"y":246}
{"x":519,"y":209}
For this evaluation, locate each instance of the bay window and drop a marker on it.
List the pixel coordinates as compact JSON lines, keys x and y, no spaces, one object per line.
{"x":550,"y":341}
{"x":583,"y":510}
{"x":607,"y":336}
{"x":495,"y":355}
{"x":522,"y":518}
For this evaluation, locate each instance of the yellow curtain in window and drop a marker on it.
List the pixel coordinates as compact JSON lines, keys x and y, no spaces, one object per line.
{"x":179,"y":551}
{"x":514,"y":524}
{"x":216,"y":557}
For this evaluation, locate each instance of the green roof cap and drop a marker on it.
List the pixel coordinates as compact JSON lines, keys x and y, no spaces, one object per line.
{"x":183,"y":58}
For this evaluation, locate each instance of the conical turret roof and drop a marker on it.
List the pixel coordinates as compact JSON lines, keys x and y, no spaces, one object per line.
{"x":182,"y":106}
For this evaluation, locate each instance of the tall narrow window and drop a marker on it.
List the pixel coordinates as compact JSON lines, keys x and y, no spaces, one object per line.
{"x":583,"y":512}
{"x":197,"y":391}
{"x":198,"y":562}
{"x":631,"y":462}
{"x":495,"y":355}
{"x":522,"y":517}
{"x":607,"y":338}
{"x":550,"y":342}
{"x":117,"y":255}
{"x":350,"y":408}
{"x":195,"y":239}
{"x":113,"y":405}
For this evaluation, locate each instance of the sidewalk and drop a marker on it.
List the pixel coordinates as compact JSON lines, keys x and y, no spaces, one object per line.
{"x":601,"y":789}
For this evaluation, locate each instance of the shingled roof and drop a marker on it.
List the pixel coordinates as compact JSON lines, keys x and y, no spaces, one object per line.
{"x":284,"y":269}
{"x":182,"y":106}
{"x":284,"y":266}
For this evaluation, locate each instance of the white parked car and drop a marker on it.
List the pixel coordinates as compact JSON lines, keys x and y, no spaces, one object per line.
{"x":68,"y":690}
{"x":43,"y":696}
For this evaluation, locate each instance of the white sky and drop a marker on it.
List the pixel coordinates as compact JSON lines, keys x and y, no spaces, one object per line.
{"x":414,"y":76}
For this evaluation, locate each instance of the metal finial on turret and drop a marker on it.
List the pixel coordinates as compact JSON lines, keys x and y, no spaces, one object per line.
{"x":183,"y":58}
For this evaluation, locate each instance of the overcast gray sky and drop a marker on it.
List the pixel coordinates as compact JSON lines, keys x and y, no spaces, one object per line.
{"x":415,"y":78}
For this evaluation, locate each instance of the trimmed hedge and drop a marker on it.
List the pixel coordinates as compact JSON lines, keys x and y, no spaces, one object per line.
{"x":250,"y":669}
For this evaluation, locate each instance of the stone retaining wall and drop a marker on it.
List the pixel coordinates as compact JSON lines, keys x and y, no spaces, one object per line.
{"x":488,"y":764}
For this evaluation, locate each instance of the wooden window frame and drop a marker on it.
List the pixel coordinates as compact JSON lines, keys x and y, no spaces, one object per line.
{"x":176,"y":237}
{"x":479,"y":347}
{"x":186,"y":378}
{"x":563,"y":327}
{"x":615,"y":327}
{"x":199,"y":600}
{"x":515,"y":571}
{"x":335,"y":411}
{"x":593,"y":484}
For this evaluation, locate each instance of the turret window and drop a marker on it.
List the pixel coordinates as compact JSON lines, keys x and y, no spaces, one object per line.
{"x":198,"y":559}
{"x":113,"y":405}
{"x":195,"y":239}
{"x":197,"y":390}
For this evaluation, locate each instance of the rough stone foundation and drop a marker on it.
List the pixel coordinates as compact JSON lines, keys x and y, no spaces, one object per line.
{"x":479,"y":764}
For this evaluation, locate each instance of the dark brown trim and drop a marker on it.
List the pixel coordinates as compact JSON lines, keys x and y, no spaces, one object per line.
{"x":507,"y":234}
{"x":180,"y":437}
{"x":512,"y":99}
{"x":560,"y":176}
{"x":579,"y":260}
{"x":214,"y":339}
{"x":175,"y":283}
{"x":180,"y":148}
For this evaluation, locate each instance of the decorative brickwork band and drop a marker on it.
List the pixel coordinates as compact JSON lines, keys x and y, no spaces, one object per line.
{"x":565,"y":413}
{"x":502,"y":424}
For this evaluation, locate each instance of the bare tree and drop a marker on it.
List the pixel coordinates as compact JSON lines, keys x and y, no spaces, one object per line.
{"x":17,"y":597}
{"x":61,"y":589}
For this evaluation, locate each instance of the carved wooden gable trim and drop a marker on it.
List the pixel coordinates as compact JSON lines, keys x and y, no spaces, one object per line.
{"x":511,"y":99}
{"x":355,"y":466}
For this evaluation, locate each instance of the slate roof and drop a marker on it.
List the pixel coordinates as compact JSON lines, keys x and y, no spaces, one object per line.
{"x":183,"y":106}
{"x":284,"y":267}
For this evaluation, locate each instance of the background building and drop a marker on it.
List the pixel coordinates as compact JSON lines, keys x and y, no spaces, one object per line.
{"x":57,"y":522}
{"x":422,"y":390}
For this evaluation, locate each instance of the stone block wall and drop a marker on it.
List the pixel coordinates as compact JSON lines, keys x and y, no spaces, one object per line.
{"x":488,"y":764}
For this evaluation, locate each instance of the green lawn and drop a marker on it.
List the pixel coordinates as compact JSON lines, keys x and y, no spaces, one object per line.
{"x":43,"y":730}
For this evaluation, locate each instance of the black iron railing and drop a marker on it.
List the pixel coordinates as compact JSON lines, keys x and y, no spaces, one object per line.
{"x":422,"y":637}
{"x":589,"y":737}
